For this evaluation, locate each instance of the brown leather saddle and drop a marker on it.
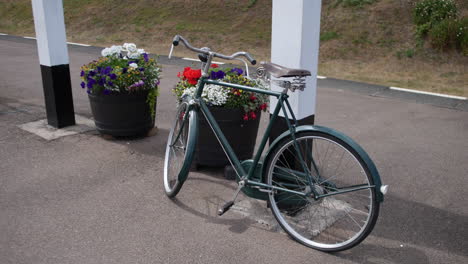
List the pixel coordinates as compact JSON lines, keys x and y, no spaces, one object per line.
{"x":279,"y":71}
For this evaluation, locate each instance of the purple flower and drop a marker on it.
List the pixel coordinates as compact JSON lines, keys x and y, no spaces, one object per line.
{"x":83,"y":84}
{"x":110,"y":83}
{"x":90,"y":83}
{"x":107,"y":70}
{"x":158,"y":82}
{"x":238,"y":71}
{"x":145,"y":56}
{"x":124,"y":70}
{"x":102,"y":81}
{"x":141,"y":69}
{"x":92,"y":73}
{"x":106,"y":91}
{"x":136,"y":85}
{"x":88,"y":91}
{"x":113,"y":76}
{"x":217,"y":75}
{"x":81,"y":73}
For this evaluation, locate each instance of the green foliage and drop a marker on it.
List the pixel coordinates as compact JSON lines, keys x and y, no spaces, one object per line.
{"x":462,"y":36}
{"x":329,"y":35}
{"x":433,"y":11}
{"x":151,"y":101}
{"x":438,"y":20}
{"x":444,"y":34}
{"x":408,"y":53}
{"x":428,"y":13}
{"x":251,"y":3}
{"x":351,"y":3}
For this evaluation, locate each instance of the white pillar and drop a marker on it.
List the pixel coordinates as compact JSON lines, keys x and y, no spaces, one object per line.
{"x":50,"y":32}
{"x":295,"y":44}
{"x":53,"y":58}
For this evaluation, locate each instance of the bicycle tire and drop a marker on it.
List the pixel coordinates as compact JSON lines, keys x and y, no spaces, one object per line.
{"x":184,"y":131}
{"x":331,"y":223}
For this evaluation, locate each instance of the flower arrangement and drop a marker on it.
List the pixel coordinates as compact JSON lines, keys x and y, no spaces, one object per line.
{"x":116,"y":72}
{"x":216,"y":95}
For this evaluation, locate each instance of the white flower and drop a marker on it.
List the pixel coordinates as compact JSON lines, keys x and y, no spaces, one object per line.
{"x":130,"y":47}
{"x":105,"y":52}
{"x":212,"y":94}
{"x":115,"y":50}
{"x":190,"y":92}
{"x":141,"y":51}
{"x":133,"y":65}
{"x":133,"y":55}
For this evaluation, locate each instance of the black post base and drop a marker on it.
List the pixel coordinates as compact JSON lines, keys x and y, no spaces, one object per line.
{"x":58,"y":95}
{"x":280,"y":126}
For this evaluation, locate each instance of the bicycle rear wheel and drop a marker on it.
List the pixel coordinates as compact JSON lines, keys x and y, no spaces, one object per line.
{"x":179,"y":149}
{"x":333,"y":223}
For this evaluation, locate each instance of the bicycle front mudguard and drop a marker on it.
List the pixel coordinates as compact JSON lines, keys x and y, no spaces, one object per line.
{"x":190,"y":151}
{"x":360,"y":151}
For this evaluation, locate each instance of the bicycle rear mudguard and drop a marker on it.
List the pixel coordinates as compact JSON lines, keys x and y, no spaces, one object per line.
{"x":360,"y":151}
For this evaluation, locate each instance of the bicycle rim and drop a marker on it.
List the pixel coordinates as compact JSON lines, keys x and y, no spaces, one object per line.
{"x":332,"y":223}
{"x":179,"y":150}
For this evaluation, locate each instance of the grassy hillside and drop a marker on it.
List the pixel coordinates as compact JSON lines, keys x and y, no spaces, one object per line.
{"x":373,"y":42}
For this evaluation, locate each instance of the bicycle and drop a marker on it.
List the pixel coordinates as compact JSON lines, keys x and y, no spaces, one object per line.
{"x":301,"y":176}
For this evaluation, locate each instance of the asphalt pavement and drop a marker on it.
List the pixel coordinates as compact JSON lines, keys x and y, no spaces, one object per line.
{"x":85,"y":198}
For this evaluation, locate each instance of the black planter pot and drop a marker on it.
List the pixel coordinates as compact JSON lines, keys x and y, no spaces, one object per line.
{"x":121,"y":114}
{"x":241,"y":135}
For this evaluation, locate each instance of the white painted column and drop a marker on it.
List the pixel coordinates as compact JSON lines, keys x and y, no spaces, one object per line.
{"x":53,"y":58}
{"x":295,"y":44}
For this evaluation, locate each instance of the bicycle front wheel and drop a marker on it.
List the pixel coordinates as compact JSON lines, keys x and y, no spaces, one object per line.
{"x":179,"y":149}
{"x":348,"y":211}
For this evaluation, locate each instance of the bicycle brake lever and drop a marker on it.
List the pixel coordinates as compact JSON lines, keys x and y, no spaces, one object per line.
{"x":170,"y":52}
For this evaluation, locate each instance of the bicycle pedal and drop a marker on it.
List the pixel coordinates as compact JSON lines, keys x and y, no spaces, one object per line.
{"x":225,"y":208}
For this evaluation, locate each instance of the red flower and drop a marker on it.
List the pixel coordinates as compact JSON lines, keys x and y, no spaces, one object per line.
{"x":214,"y":65}
{"x":263,"y":106}
{"x":246,"y":117}
{"x":253,"y":98}
{"x":253,"y":115}
{"x":191,"y":75}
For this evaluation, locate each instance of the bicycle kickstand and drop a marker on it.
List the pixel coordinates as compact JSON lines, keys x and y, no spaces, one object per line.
{"x":229,"y":204}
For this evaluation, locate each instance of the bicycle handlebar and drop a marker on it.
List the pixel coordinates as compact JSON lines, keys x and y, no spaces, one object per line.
{"x":178,"y":38}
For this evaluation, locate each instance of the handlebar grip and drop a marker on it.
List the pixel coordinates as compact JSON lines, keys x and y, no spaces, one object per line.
{"x":249,"y":57}
{"x":175,"y":41}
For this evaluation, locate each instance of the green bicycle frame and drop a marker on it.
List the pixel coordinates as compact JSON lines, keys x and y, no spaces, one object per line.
{"x":284,"y":106}
{"x":238,"y":168}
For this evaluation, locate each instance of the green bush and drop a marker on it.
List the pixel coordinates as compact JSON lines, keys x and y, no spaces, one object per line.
{"x":444,"y":34}
{"x":429,"y":13}
{"x":434,"y":11}
{"x":450,"y":33}
{"x":462,"y":36}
